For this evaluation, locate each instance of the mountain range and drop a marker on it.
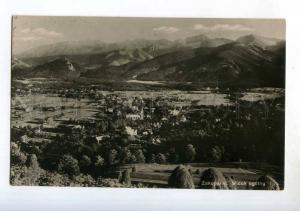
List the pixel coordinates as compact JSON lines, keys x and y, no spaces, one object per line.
{"x":250,"y":59}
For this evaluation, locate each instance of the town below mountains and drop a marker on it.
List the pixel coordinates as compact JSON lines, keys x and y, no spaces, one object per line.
{"x":249,"y":60}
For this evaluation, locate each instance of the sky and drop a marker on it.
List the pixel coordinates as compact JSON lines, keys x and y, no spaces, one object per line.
{"x":33,"y":31}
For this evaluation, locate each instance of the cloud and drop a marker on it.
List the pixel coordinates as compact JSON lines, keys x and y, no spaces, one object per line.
{"x":28,"y":38}
{"x":29,"y":34}
{"x":166,"y":29}
{"x":41,"y":32}
{"x":222,"y":27}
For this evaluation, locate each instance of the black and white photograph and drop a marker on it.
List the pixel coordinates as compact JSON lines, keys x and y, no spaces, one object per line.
{"x":148,"y":102}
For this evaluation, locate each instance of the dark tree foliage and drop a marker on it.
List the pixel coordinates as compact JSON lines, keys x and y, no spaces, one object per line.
{"x":189,"y":153}
{"x":68,"y":165}
{"x":99,"y":162}
{"x":216,"y":154}
{"x":152,"y":158}
{"x":160,"y":158}
{"x":197,"y":171}
{"x":112,"y":157}
{"x":139,"y":155}
{"x":17,"y":157}
{"x":84,"y":163}
{"x":173,"y":157}
{"x":125,"y":177}
{"x":32,"y":161}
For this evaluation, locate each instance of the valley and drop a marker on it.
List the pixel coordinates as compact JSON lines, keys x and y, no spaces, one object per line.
{"x":145,"y":113}
{"x":143,"y":126}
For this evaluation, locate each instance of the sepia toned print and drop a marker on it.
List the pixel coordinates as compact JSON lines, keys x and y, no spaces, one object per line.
{"x":148,"y":102}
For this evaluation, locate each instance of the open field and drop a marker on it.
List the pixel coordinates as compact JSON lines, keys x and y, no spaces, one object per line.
{"x":49,"y":111}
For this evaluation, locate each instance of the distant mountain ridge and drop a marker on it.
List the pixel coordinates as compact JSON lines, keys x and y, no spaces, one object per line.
{"x":204,"y":41}
{"x":93,"y":47}
{"x":260,"y":41}
{"x":96,"y":46}
{"x":226,"y":64}
{"x":248,"y":59}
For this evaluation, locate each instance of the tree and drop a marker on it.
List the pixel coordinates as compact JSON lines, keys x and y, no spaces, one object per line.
{"x":160,"y":158}
{"x":189,"y":153}
{"x":139,"y":155}
{"x":125,"y":177}
{"x":83,"y":180}
{"x":85,"y":162}
{"x":99,"y":161}
{"x":266,"y":183}
{"x":125,"y":155}
{"x":152,"y":158}
{"x":181,"y":178}
{"x":33,"y":162}
{"x":112,"y":157}
{"x":53,"y":179}
{"x":30,"y":174}
{"x":216,"y":154}
{"x":17,"y":157}
{"x":68,"y":165}
{"x":173,"y":157}
{"x":133,"y":159}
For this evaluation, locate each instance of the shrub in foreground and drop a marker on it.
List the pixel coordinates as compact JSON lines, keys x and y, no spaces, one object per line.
{"x":231,"y":183}
{"x":213,"y":178}
{"x":181,"y":178}
{"x":266,"y":183}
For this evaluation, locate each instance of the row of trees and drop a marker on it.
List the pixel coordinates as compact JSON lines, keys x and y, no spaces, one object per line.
{"x":96,"y":162}
{"x":72,"y":157}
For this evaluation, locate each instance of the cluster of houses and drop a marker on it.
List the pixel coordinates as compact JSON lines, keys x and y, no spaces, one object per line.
{"x":136,"y":116}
